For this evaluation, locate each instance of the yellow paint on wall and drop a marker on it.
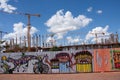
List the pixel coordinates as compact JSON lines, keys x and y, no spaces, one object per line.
{"x":83,"y":68}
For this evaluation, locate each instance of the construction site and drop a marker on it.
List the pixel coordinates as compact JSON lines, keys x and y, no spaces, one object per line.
{"x":33,"y":54}
{"x":39,"y":43}
{"x":59,"y":40}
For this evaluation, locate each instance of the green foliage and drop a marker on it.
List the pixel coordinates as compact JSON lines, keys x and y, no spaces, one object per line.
{"x":55,"y":48}
{"x":116,"y":51}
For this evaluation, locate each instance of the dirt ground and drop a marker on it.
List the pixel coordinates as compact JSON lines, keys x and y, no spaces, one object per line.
{"x":75,"y":76}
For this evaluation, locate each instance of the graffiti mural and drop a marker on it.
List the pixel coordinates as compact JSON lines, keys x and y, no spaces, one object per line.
{"x":7,"y":68}
{"x":60,"y":63}
{"x":97,"y":60}
{"x":102,"y":60}
{"x":54,"y":65}
{"x":40,"y":67}
{"x":21,"y":65}
{"x":64,"y":62}
{"x":116,"y":59}
{"x":83,"y":61}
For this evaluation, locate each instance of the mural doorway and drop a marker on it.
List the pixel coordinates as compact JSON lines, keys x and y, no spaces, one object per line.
{"x":83,"y":61}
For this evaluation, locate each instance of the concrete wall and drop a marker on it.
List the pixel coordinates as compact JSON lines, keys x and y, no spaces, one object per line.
{"x":60,"y":61}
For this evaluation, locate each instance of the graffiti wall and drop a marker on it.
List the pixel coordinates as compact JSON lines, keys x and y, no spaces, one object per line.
{"x":23,"y":63}
{"x":83,"y":61}
{"x":60,"y":61}
{"x":102,"y":60}
{"x":115,"y":58}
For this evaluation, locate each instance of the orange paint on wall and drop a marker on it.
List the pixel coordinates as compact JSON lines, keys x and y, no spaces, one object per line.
{"x":102,"y":60}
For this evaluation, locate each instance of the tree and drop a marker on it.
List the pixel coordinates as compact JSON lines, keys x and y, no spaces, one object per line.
{"x":55,"y":48}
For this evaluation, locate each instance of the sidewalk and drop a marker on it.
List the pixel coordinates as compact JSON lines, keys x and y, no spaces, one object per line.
{"x":76,"y":76}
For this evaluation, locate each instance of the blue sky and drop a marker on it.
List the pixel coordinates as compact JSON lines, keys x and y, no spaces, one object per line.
{"x":99,"y":16}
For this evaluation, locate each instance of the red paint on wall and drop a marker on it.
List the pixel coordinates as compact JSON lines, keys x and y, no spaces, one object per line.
{"x":102,"y":60}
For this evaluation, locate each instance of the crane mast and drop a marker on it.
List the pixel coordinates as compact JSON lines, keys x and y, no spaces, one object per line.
{"x":1,"y":33}
{"x":29,"y":27}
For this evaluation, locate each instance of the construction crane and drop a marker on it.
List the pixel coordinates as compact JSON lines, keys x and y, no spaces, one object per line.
{"x":29,"y":25}
{"x":96,"y":34}
{"x":1,"y":33}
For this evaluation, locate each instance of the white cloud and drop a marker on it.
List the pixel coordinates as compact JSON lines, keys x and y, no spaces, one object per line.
{"x":20,"y":31}
{"x":50,"y":40}
{"x":89,"y":9}
{"x":62,"y":23}
{"x":99,"y":32}
{"x":99,"y":11}
{"x":73,"y":40}
{"x":6,"y":7}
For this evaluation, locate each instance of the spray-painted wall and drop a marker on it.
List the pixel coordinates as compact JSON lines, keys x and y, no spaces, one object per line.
{"x":60,"y":61}
{"x":102,"y":60}
{"x":115,"y":58}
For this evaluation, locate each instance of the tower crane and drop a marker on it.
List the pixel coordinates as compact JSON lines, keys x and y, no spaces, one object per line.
{"x":2,"y":32}
{"x":95,"y":33}
{"x":29,"y":25}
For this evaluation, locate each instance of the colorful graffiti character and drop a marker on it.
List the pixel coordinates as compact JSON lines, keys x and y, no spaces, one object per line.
{"x":61,"y":63}
{"x":22,"y":62}
{"x":83,"y":61}
{"x":116,"y":58}
{"x":64,"y":62}
{"x":40,"y":67}
{"x":6,"y":66}
{"x":54,"y":65}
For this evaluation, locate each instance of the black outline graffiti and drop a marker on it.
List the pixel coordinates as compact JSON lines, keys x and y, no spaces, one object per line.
{"x":40,"y":67}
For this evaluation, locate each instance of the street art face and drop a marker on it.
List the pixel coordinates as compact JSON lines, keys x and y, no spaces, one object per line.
{"x":63,"y":57}
{"x":6,"y":67}
{"x":60,"y":63}
{"x":64,"y":62}
{"x":83,"y":61}
{"x":83,"y":57}
{"x":3,"y":58}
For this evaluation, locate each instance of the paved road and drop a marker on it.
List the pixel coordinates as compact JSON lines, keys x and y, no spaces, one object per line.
{"x":77,"y":76}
